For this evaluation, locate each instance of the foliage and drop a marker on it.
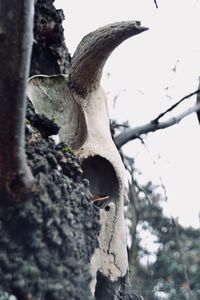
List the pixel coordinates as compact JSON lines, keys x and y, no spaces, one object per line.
{"x":172,"y":271}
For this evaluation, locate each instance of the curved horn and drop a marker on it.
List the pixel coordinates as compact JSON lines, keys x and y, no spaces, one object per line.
{"x":93,"y":51}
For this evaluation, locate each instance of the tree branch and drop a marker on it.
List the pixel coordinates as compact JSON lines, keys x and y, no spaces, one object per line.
{"x":175,"y":105}
{"x":134,"y":133}
{"x":198,"y":101}
{"x":16,"y":35}
{"x":156,"y":4}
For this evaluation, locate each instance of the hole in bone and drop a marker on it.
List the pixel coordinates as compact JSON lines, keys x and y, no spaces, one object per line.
{"x":103,"y":181}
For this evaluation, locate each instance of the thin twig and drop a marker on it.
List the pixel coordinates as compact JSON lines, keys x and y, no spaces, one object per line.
{"x":159,"y":176}
{"x":128,"y":163}
{"x":100,"y":198}
{"x":175,"y":105}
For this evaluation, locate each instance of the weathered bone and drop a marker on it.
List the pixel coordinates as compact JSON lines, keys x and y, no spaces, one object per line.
{"x":93,"y":51}
{"x":78,"y":105}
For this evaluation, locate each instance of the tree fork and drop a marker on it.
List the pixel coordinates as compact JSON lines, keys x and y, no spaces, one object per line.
{"x":16,"y":36}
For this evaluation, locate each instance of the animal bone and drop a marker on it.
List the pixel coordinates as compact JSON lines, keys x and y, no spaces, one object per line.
{"x":78,"y":104}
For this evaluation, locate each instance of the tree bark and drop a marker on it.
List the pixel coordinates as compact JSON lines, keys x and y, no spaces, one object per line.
{"x":47,"y":242}
{"x":16,"y":35}
{"x":49,"y":54}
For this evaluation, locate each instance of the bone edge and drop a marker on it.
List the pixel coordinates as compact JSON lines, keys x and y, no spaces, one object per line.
{"x":91,"y":55}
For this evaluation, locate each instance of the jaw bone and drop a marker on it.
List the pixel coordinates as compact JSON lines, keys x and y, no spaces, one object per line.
{"x":78,"y":105}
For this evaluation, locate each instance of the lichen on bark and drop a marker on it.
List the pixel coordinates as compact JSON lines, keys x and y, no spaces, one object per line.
{"x":50,"y":54}
{"x":46,"y":243}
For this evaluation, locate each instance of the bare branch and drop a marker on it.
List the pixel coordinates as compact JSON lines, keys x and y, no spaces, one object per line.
{"x":93,"y":51}
{"x":156,"y":3}
{"x":175,"y":105}
{"x":198,"y":101}
{"x":134,"y":133}
{"x":16,"y":30}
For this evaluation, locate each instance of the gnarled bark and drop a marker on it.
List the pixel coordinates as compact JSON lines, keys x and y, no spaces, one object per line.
{"x":49,"y":54}
{"x":46,"y":242}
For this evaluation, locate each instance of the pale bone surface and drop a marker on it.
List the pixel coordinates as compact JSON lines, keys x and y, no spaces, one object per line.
{"x":78,"y":105}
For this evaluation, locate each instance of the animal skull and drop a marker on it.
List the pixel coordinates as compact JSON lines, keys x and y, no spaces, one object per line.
{"x":78,"y":105}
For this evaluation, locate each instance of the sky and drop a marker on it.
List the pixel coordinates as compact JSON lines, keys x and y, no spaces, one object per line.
{"x":148,"y":73}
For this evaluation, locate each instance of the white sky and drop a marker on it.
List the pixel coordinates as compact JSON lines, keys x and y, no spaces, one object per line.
{"x":141,"y":70}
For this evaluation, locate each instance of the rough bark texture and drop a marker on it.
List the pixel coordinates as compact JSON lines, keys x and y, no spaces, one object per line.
{"x":50,"y":55}
{"x":46,"y":243}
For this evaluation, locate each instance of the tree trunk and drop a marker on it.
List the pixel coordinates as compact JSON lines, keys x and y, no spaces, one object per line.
{"x":16,"y":180}
{"x":47,"y":242}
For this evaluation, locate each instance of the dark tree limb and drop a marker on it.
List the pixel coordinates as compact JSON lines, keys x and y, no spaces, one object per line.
{"x":198,"y":101}
{"x":175,"y":105}
{"x":16,"y":36}
{"x":156,"y":4}
{"x":134,"y":133}
{"x":93,"y":51}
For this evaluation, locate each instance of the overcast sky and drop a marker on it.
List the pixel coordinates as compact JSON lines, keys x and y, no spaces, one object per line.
{"x":149,"y":73}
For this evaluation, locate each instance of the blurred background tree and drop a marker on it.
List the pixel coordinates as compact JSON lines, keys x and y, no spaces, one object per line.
{"x":171,"y":270}
{"x":164,"y":256}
